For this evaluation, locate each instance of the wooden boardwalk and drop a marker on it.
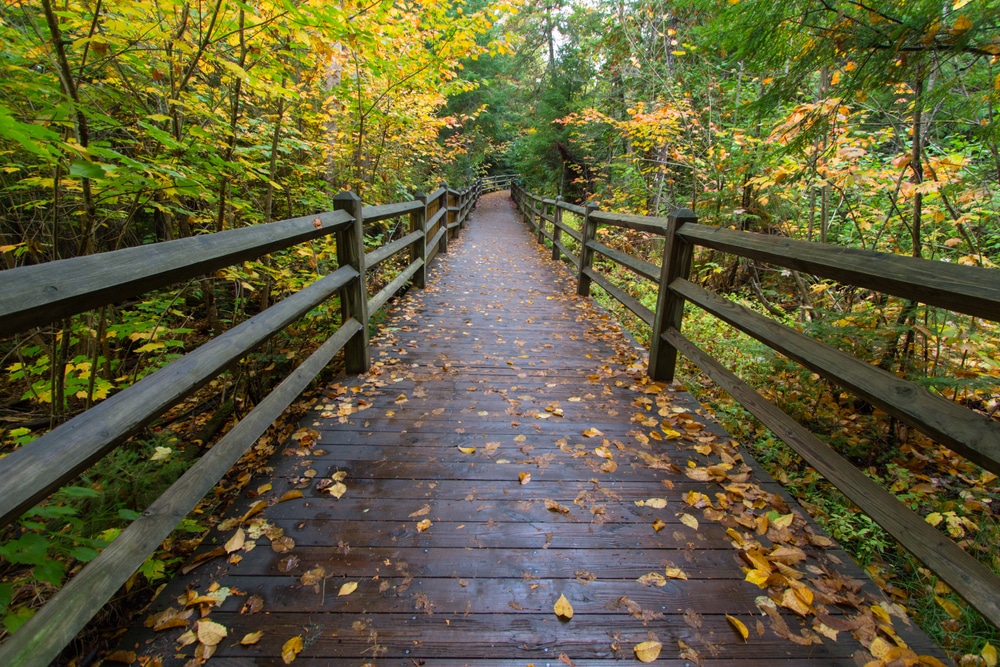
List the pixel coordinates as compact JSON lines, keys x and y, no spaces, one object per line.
{"x":504,"y":451}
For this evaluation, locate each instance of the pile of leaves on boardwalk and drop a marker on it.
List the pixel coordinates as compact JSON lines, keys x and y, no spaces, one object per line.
{"x":803,"y":597}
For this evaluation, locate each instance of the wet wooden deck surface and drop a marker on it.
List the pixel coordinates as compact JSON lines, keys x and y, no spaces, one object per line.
{"x":494,"y":373}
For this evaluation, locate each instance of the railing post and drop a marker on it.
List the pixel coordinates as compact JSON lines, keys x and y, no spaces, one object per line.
{"x":586,"y":254}
{"x":556,"y":230}
{"x":418,"y":223}
{"x":443,"y":224}
{"x":542,"y":209}
{"x":452,"y":216}
{"x":669,"y":305}
{"x":354,"y":297}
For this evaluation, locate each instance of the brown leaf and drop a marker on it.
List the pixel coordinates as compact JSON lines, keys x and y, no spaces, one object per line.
{"x":124,"y":657}
{"x":423,"y":525}
{"x":253,"y":605}
{"x":423,"y":511}
{"x":553,"y":506}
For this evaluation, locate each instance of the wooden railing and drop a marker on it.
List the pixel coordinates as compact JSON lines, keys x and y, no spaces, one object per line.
{"x":498,"y":182}
{"x":971,"y":290}
{"x":37,"y":295}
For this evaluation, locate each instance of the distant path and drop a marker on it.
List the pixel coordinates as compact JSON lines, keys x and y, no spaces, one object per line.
{"x":495,"y":372}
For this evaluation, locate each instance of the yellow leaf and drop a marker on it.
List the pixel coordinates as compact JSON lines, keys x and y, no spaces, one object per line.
{"x":236,"y":542}
{"x":339,"y":476}
{"x":592,"y":432}
{"x":337,"y":489}
{"x":783,"y":521}
{"x":656,"y":503}
{"x":649,"y":651}
{"x":958,"y":4}
{"x":934,"y":518}
{"x":467,"y":450}
{"x":563,"y":608}
{"x":290,"y":495}
{"x":525,"y":477}
{"x":603,"y":452}
{"x":251,"y":638}
{"x":658,"y":525}
{"x":291,"y":649}
{"x":949,"y":607}
{"x":758,"y":577}
{"x":347,"y":588}
{"x":835,"y":79}
{"x":676,"y":573}
{"x":671,"y":434}
{"x":423,"y":525}
{"x":738,"y":624}
{"x":211,"y":633}
{"x":989,"y":654}
{"x":689,"y":521}
{"x":880,"y":647}
{"x":962,"y":24}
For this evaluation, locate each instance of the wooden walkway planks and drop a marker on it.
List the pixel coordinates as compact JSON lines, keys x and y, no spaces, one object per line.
{"x":497,"y":354}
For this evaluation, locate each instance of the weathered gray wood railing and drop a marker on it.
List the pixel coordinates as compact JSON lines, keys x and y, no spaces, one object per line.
{"x":37,"y":295}
{"x":498,"y":182}
{"x":963,"y":289}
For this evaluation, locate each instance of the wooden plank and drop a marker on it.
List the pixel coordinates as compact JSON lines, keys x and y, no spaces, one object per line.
{"x":963,"y":289}
{"x":42,"y":638}
{"x":626,"y":299}
{"x":976,"y":583}
{"x":379,"y":255}
{"x":640,"y":223}
{"x":975,"y":437}
{"x":572,"y":208}
{"x":386,"y":211}
{"x":390,"y":290}
{"x":34,"y":471}
{"x":436,"y":194}
{"x":676,"y":263}
{"x":640,"y":267}
{"x":34,"y":296}
{"x":436,"y":241}
{"x":436,"y":218}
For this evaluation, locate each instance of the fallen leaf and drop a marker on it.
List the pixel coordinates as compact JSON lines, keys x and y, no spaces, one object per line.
{"x":313,"y":576}
{"x":989,"y":654}
{"x":337,"y":489}
{"x":290,"y":495}
{"x":563,"y":608}
{"x":123,"y":657}
{"x":675,"y":573}
{"x":236,"y":542}
{"x":659,"y":525}
{"x":467,"y":450}
{"x":949,"y":607}
{"x":652,"y":579}
{"x":689,"y":521}
{"x":647,"y":651}
{"x":656,"y":503}
{"x":348,"y":588}
{"x":251,"y":638}
{"x":253,"y":604}
{"x":423,"y":525}
{"x":525,"y":477}
{"x":592,"y":432}
{"x":603,"y":452}
{"x":211,"y":633}
{"x":553,"y":506}
{"x":291,"y":649}
{"x":423,"y":511}
{"x":339,"y":476}
{"x":740,"y":627}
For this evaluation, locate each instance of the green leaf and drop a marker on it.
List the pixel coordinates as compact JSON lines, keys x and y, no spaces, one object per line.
{"x":6,"y":595}
{"x":80,"y":492}
{"x":14,"y":620}
{"x":129,"y":515}
{"x":51,"y":571}
{"x":84,"y":554}
{"x":29,"y":549}
{"x":84,"y":169}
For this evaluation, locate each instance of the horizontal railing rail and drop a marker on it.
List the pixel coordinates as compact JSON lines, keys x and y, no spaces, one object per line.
{"x":498,"y":182}
{"x":971,"y":290}
{"x":38,"y":295}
